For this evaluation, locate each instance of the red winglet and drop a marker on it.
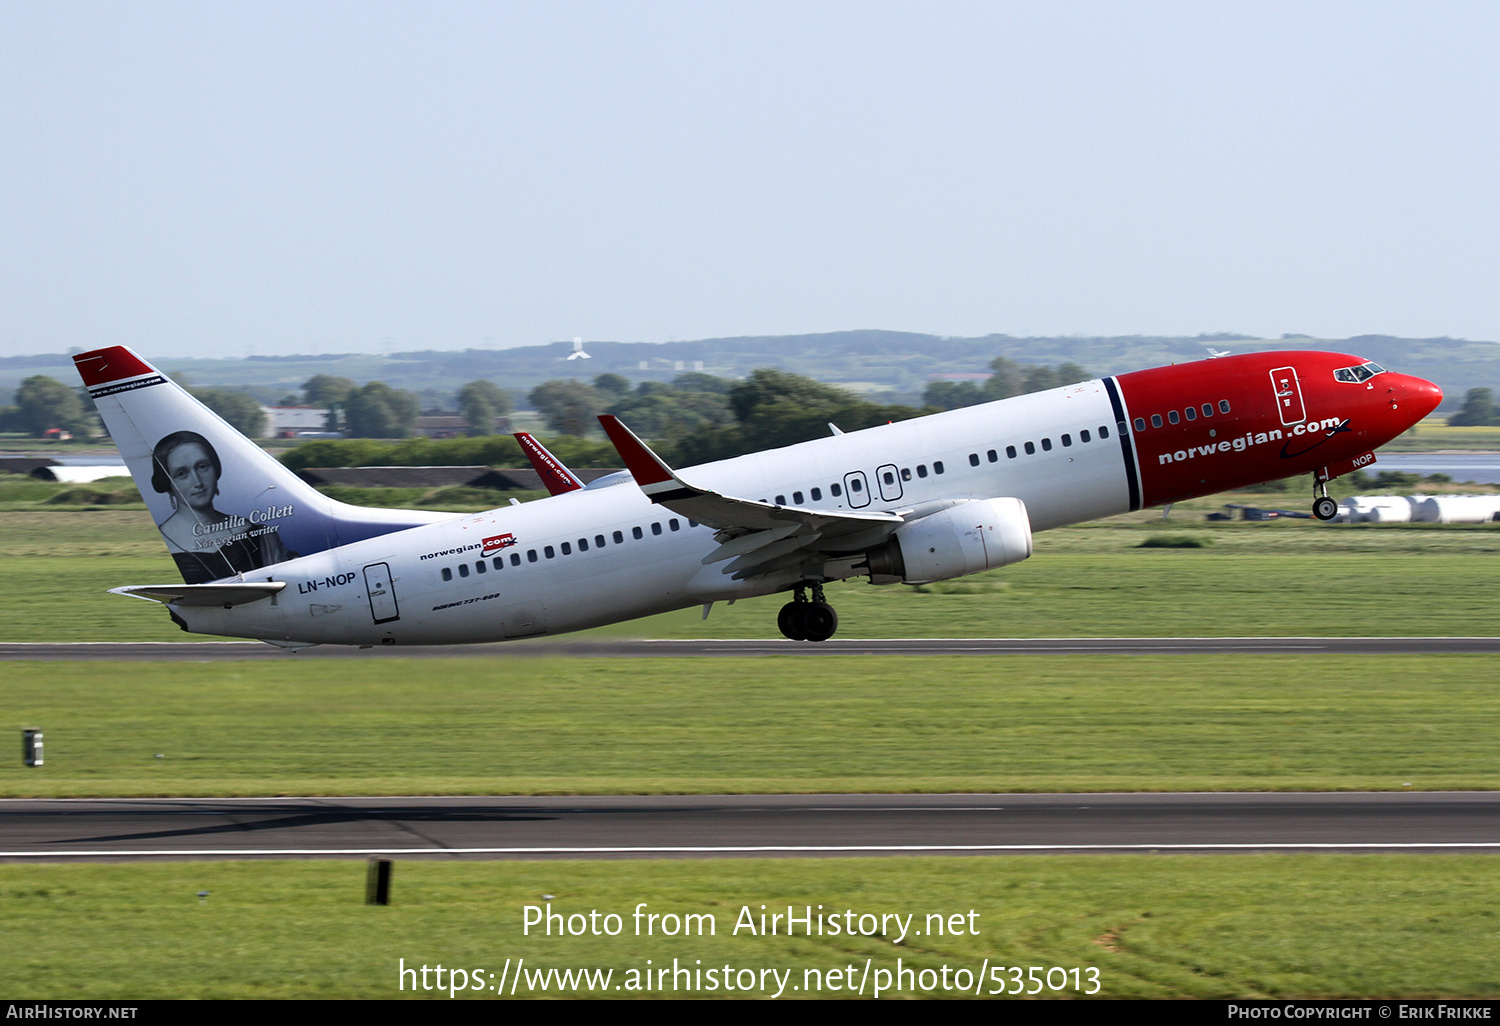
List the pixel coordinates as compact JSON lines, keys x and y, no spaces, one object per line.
{"x":556,"y":477}
{"x":642,"y":463}
{"x":102,"y":366}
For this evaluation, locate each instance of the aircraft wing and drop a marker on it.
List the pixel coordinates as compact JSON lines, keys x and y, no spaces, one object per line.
{"x":757,"y":537}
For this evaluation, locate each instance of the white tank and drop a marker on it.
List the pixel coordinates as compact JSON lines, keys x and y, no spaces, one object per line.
{"x":1458,"y":509}
{"x":1397,"y":509}
{"x":1382,"y":509}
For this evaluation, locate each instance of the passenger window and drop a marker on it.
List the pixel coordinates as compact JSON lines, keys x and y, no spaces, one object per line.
{"x":531,"y":555}
{"x":973,"y":459}
{"x":1208,"y":409}
{"x":1190,"y":413}
{"x":1083,"y":436}
{"x":817,"y":495}
{"x":835,"y":490}
{"x":567,"y":549}
{"x":1140,"y":425}
{"x":674,"y":524}
{"x":635,"y":532}
{"x":1104,"y":431}
{"x":1031,"y":448}
{"x":888,"y":477}
{"x":480,"y":567}
{"x":797,"y":498}
{"x":656,"y":527}
{"x":906,"y":473}
{"x":447,"y":574}
{"x":1010,"y":452}
{"x":692,"y":523}
{"x":1046,"y":445}
{"x":921,"y":470}
{"x":598,"y":541}
{"x":780,"y":501}
{"x":1067,"y":440}
{"x":1172,"y":416}
{"x":583,"y":544}
{"x":549,"y":552}
{"x":1223,"y":405}
{"x":499,"y":562}
{"x":937,"y":467}
{"x":619,"y":538}
{"x":515,"y":559}
{"x":463,"y":569}
{"x":993,"y":456}
{"x":1156,"y":420}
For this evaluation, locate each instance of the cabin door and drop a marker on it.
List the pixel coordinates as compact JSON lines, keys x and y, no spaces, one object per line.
{"x":1288,"y":395}
{"x":382,"y":593}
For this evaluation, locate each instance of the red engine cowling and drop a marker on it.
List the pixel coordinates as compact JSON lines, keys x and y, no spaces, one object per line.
{"x":966,"y":539}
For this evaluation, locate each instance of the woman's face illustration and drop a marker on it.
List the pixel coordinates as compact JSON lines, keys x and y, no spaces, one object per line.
{"x":193,"y":476}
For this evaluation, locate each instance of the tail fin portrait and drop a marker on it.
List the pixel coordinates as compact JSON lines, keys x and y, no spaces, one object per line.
{"x":223,"y":505}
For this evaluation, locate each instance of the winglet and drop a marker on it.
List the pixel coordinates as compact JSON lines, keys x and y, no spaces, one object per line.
{"x":656,"y":479}
{"x":556,"y":477}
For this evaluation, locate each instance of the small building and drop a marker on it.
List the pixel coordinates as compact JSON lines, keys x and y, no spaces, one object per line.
{"x":451,"y":424}
{"x":293,"y":421}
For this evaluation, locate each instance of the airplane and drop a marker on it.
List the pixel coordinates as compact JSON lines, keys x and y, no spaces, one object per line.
{"x":264,"y":555}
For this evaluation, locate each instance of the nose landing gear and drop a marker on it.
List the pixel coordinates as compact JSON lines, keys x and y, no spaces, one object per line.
{"x":801,"y":620}
{"x":1324,"y":507}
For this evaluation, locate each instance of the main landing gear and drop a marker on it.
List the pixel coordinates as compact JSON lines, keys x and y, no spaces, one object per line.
{"x":1324,"y":508}
{"x":802,"y":620}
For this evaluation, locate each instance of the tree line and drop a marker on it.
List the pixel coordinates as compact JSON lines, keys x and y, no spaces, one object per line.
{"x":1478,"y":410}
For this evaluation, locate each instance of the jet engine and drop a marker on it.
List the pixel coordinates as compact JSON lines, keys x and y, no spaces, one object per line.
{"x":964,"y":539}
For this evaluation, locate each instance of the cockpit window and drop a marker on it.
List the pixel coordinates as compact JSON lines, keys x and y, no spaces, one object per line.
{"x":1363,"y":372}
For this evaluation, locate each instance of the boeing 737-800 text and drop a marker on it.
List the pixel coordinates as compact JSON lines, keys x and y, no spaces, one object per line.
{"x":264,"y":555}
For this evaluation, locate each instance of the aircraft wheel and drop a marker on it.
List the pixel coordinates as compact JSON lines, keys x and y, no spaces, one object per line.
{"x":1324,"y":508}
{"x":820,"y":621}
{"x":791,"y":621}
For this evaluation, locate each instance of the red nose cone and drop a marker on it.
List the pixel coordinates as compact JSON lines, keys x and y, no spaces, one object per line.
{"x":1422,"y":397}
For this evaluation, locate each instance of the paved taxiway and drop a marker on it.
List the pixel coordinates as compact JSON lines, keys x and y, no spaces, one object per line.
{"x":213,"y":651}
{"x":746,"y":825}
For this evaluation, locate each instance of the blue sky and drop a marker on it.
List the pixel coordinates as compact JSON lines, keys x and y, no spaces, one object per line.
{"x":324,"y":177}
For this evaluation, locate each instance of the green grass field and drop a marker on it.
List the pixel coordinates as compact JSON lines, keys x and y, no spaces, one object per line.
{"x":1434,"y":435}
{"x":1094,"y":580}
{"x":1153,"y":926}
{"x":756,"y":725}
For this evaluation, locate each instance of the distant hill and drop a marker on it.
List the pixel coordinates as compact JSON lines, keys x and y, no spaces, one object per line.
{"x":870,"y":360}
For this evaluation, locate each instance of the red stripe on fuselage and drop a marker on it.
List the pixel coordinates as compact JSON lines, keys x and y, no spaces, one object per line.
{"x":1275,"y":427}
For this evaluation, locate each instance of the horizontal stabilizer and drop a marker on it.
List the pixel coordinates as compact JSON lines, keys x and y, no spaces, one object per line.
{"x":202,"y":594}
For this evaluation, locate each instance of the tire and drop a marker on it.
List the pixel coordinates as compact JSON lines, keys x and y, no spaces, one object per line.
{"x":1325,"y":508}
{"x":819,"y":621}
{"x":791,"y":621}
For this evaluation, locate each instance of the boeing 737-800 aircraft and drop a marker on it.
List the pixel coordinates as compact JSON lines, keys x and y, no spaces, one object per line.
{"x":264,"y":555}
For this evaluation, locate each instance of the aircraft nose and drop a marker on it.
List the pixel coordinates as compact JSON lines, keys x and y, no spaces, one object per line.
{"x":1417,"y":397}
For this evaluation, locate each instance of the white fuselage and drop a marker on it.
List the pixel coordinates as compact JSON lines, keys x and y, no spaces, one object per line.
{"x":426,"y":586}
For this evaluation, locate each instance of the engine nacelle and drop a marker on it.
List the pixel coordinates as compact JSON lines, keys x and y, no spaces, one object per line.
{"x":964,"y":539}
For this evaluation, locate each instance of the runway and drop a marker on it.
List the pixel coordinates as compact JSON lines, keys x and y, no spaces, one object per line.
{"x":746,"y":825}
{"x":218,"y":651}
